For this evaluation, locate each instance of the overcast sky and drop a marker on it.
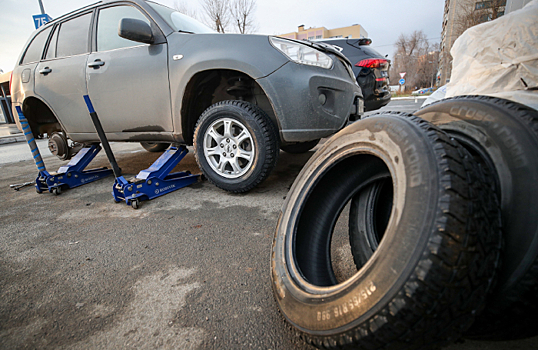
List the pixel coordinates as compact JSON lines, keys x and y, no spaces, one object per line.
{"x":384,"y":20}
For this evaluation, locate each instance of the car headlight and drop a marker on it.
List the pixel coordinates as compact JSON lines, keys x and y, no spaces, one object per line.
{"x":301,"y":53}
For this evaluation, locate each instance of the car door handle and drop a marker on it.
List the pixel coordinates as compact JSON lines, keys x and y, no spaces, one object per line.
{"x":45,"y":71}
{"x":96,"y":64}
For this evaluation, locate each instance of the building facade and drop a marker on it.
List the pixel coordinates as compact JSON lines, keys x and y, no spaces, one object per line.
{"x":6,"y":114}
{"x":458,"y":16}
{"x":355,"y":31}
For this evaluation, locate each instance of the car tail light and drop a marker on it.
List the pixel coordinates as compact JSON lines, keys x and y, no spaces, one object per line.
{"x":372,"y":63}
{"x":381,"y":79}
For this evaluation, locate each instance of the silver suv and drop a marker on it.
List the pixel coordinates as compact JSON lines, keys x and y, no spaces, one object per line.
{"x":156,"y":76}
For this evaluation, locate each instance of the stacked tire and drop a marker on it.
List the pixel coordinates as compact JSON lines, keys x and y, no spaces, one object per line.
{"x":503,"y":135}
{"x":423,"y":203}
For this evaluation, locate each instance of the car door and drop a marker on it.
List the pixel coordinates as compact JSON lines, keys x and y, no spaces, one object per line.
{"x":128,"y":81}
{"x":60,"y":77}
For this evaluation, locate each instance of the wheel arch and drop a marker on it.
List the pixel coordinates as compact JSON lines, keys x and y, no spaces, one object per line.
{"x":208,"y":87}
{"x":40,"y":116}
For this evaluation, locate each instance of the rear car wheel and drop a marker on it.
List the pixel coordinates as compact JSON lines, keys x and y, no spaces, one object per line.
{"x":434,"y":262}
{"x":155,"y":146}
{"x":504,"y":136}
{"x":236,"y":145}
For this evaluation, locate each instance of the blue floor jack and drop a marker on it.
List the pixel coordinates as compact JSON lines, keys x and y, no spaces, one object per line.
{"x":69,"y":176}
{"x":149,"y":183}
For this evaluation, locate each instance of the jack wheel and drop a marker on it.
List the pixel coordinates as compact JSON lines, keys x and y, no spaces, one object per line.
{"x":57,"y":191}
{"x":135,"y":204}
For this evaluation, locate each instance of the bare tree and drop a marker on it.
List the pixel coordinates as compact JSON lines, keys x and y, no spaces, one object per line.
{"x":472,"y":12}
{"x":427,"y":66}
{"x":407,"y":45}
{"x":182,"y":7}
{"x":242,"y":12}
{"x":217,"y":13}
{"x":417,"y":58}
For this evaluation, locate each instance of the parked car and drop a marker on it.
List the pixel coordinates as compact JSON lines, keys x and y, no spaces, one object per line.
{"x":423,"y":91}
{"x":155,"y":75}
{"x":370,"y":68}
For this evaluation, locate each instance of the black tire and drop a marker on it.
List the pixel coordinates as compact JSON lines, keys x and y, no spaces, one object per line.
{"x":155,"y":146}
{"x":429,"y":275}
{"x":369,"y":216}
{"x":299,"y":147}
{"x":504,"y":135}
{"x":252,"y":145}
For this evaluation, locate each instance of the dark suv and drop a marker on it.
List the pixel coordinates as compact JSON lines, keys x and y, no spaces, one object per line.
{"x":155,"y":75}
{"x":370,"y":68}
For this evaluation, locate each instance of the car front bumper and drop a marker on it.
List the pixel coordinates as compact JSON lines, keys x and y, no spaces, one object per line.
{"x":306,"y":112}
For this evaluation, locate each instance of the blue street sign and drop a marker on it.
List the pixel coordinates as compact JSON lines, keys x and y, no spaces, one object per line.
{"x":40,"y":20}
{"x":401,"y":81}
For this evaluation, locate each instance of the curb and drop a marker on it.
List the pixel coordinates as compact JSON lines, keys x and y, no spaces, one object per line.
{"x":410,"y":98}
{"x":11,"y":139}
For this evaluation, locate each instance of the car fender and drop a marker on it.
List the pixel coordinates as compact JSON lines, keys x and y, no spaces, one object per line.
{"x":190,"y":54}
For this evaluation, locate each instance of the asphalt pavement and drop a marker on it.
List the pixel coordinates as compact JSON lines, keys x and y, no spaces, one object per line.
{"x":189,"y":270}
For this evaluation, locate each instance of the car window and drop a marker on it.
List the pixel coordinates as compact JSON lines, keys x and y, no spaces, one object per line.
{"x":365,"y":48}
{"x":35,"y":49}
{"x":107,"y":27}
{"x":51,"y":50}
{"x":180,"y":22}
{"x":73,"y":36}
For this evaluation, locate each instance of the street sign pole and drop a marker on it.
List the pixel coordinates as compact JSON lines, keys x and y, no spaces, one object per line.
{"x":41,"y":19}
{"x":402,"y":84}
{"x":41,"y":7}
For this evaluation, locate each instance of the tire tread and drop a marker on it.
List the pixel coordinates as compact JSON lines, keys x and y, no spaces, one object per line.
{"x":515,"y":315}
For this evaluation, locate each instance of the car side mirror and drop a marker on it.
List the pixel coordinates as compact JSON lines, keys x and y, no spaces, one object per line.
{"x":135,"y":30}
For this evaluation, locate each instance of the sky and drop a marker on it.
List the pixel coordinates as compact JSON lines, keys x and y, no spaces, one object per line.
{"x":384,"y":20}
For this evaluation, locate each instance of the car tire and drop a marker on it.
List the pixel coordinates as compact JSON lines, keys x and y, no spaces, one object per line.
{"x":504,"y":136}
{"x":155,"y":146}
{"x":428,"y":277}
{"x":369,"y":216}
{"x":236,"y":145}
{"x":300,"y":147}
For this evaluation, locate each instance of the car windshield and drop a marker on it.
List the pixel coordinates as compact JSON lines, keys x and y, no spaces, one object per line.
{"x":179,"y":21}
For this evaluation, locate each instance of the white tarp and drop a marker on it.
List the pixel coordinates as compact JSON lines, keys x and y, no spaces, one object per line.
{"x":499,"y":58}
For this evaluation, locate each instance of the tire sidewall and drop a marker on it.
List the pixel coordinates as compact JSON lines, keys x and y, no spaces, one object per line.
{"x":235,"y":112}
{"x":325,"y":311}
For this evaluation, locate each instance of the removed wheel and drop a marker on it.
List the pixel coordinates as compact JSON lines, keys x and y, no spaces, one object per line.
{"x":236,"y":145}
{"x":432,"y":267}
{"x":299,"y":147}
{"x":155,"y":146}
{"x":504,"y":136}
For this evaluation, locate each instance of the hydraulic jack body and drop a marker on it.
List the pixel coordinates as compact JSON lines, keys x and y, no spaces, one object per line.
{"x":154,"y":181}
{"x":69,"y":176}
{"x":73,"y":174}
{"x":149,"y":183}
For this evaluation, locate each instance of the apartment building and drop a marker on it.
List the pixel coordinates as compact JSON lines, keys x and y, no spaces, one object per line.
{"x":458,"y":16}
{"x":353,"y":32}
